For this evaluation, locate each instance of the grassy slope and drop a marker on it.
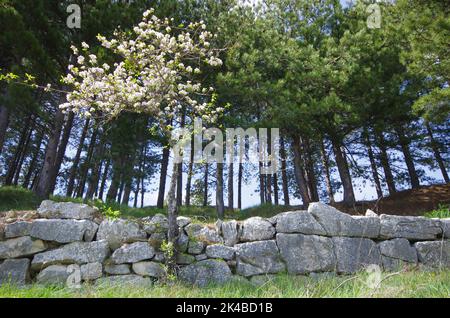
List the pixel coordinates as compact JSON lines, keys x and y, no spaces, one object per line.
{"x":408,"y":284}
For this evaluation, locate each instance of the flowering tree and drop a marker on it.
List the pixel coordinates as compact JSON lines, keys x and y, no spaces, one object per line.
{"x":157,"y":73}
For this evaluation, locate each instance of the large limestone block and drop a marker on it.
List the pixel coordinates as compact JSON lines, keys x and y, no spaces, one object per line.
{"x":77,"y":252}
{"x":434,"y":254}
{"x":206,"y":272}
{"x":63,"y":231}
{"x":306,"y":253}
{"x":16,"y":229}
{"x":132,"y":253}
{"x":67,"y":210}
{"x":15,"y":271}
{"x":119,"y":231}
{"x":353,"y":254}
{"x":151,"y":269}
{"x":21,"y":246}
{"x":256,"y":229}
{"x":409,"y":227}
{"x":298,"y":222}
{"x":336,"y":223}
{"x":261,"y":257}
{"x":53,"y":275}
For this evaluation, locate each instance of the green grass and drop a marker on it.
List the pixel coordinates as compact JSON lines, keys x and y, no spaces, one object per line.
{"x":442,"y":212}
{"x":408,"y":284}
{"x":17,"y":198}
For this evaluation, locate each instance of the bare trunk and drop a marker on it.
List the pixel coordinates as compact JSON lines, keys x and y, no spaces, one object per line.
{"x":230,"y":186}
{"x":18,"y":153}
{"x":309,"y":169}
{"x":298,"y":170}
{"x":190,"y":174}
{"x":344,"y":172}
{"x":373,"y":165}
{"x":437,"y":154}
{"x":24,"y":154}
{"x":326,"y":168}
{"x":63,"y":144}
{"x":240,"y":175}
{"x":205,"y":185}
{"x":275,"y":189}
{"x":104,"y":179}
{"x":384,"y":160}
{"x":48,"y":174}
{"x":86,"y":164}
{"x":262,"y":187}
{"x":284,"y":178}
{"x":115,"y":182}
{"x":404,"y":144}
{"x":4,"y":122}
{"x":172,"y":211}
{"x":219,"y":191}
{"x":34,"y":160}
{"x":162,"y":177}
{"x":76,"y":160}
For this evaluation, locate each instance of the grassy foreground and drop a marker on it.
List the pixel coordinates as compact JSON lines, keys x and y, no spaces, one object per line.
{"x":407,"y":284}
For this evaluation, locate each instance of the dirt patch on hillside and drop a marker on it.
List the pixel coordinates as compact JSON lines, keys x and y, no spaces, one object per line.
{"x":407,"y":202}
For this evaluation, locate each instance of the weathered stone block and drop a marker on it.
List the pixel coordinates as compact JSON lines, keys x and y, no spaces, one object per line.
{"x":15,"y":271}
{"x":117,"y":232}
{"x":255,"y":258}
{"x":298,"y":222}
{"x":306,"y":253}
{"x":132,"y":253}
{"x":21,"y":246}
{"x":206,"y":272}
{"x":220,"y":251}
{"x":353,"y":254}
{"x":66,"y":210}
{"x":151,"y":269}
{"x":434,"y":254}
{"x":77,"y":252}
{"x":409,"y":227}
{"x":63,"y":231}
{"x":256,"y":229}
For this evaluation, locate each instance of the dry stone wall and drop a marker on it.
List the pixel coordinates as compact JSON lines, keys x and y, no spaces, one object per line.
{"x":71,"y":242}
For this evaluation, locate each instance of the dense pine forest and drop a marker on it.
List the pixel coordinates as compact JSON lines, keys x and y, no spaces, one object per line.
{"x":357,"y":106}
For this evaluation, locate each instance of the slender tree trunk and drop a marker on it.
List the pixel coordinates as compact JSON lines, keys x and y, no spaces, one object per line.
{"x":119,"y":195}
{"x":104,"y":179}
{"x":96,"y":170}
{"x":136,"y":192}
{"x":172,"y":209}
{"x":309,"y":169}
{"x":219,"y":191}
{"x":384,"y":160}
{"x":48,"y":174}
{"x":284,"y":179}
{"x":18,"y":153}
{"x":373,"y":165}
{"x":86,"y":164}
{"x":63,"y":145}
{"x":24,"y":154}
{"x":127,"y":192}
{"x":205,"y":185}
{"x":344,"y":172}
{"x":404,"y":144}
{"x":262,"y":186}
{"x":326,"y":168}
{"x":180,"y":185}
{"x":240,"y":175}
{"x":34,"y":159}
{"x":143,"y":191}
{"x":437,"y":154}
{"x":115,"y":182}
{"x":162,"y":177}
{"x":4,"y":122}
{"x":298,"y":170}
{"x":230,"y":186}
{"x":76,"y":160}
{"x":275,"y":189}
{"x":190,"y":174}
